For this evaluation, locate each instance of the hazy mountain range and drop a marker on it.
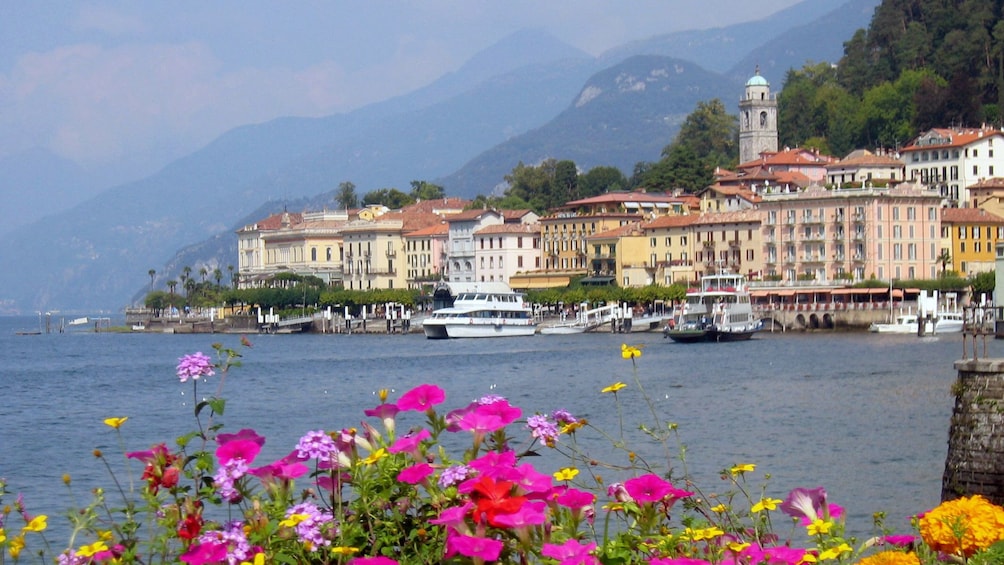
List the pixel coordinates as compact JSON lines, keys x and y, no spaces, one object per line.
{"x":526,"y":98}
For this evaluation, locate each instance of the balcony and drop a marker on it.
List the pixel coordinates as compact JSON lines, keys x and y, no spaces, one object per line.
{"x":734,"y":243}
{"x":812,"y":219}
{"x":839,"y":218}
{"x":858,"y":217}
{"x":391,"y":253}
{"x":817,"y":236}
{"x":708,"y":243}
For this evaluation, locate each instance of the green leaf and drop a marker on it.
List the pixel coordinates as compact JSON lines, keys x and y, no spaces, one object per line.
{"x":217,"y":404}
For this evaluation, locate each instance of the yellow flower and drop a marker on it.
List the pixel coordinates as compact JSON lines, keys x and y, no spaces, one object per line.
{"x":630,"y":351}
{"x":614,"y":387}
{"x":891,"y":558}
{"x":344,"y":550}
{"x":375,"y":456}
{"x":566,"y":474}
{"x":808,"y":558}
{"x":742,"y":468}
{"x":259,"y":559}
{"x":91,"y":549}
{"x":719,"y":508}
{"x":835,"y":552}
{"x":702,"y":533}
{"x":293,"y":520}
{"x":736,"y":547}
{"x":382,"y":394}
{"x":37,"y":524}
{"x":15,"y":546}
{"x":963,"y":526}
{"x":572,"y":426}
{"x":105,"y":535}
{"x":116,"y":422}
{"x":819,"y":527}
{"x":3,"y":535}
{"x":67,"y":479}
{"x":765,"y":504}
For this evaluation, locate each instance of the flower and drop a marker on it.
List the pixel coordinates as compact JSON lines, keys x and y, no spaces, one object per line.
{"x":372,"y":561}
{"x":316,"y":445}
{"x":453,"y":475}
{"x":765,"y":504}
{"x":491,"y":498}
{"x":891,"y":558}
{"x":962,"y":526}
{"x":566,"y":474}
{"x":819,"y":527}
{"x":805,"y":503}
{"x":421,"y":398}
{"x":571,"y":553}
{"x":472,"y":546}
{"x":629,"y":351}
{"x":613,"y":388}
{"x":742,"y":468}
{"x":90,"y":549}
{"x":36,"y":524}
{"x":649,"y":488}
{"x":375,"y":456}
{"x":835,"y":552}
{"x":194,"y":366}
{"x":543,"y":429}
{"x":115,"y":422}
{"x":415,"y":474}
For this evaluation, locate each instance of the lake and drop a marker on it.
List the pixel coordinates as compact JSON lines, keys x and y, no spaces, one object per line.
{"x":864,"y":415}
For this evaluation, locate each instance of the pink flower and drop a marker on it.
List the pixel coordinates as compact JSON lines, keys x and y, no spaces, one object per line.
{"x":421,"y":398}
{"x":678,"y":561}
{"x":385,"y":412}
{"x":571,"y":553}
{"x":415,"y":474}
{"x":454,"y":517}
{"x":410,"y":443}
{"x":530,"y":514}
{"x":194,"y":366}
{"x":246,"y":434}
{"x":899,"y":541}
{"x":472,"y":546}
{"x":202,"y":553}
{"x":805,"y":503}
{"x":647,"y":488}
{"x":574,"y":498}
{"x":238,"y":449}
{"x":287,"y":468}
{"x":372,"y":561}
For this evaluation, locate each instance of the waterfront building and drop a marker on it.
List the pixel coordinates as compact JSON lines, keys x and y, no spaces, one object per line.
{"x":972,"y":235}
{"x":618,"y":257}
{"x":672,"y":248}
{"x":502,"y":250}
{"x":308,"y":243}
{"x":375,"y":249}
{"x":864,"y":168}
{"x":460,"y":246}
{"x":728,"y":240}
{"x":425,"y":255}
{"x":851,"y":234}
{"x":952,"y":159}
{"x":988,"y":194}
{"x":757,"y":119}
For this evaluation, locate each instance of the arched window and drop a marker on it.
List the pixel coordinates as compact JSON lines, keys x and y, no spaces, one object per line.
{"x":763,"y":119}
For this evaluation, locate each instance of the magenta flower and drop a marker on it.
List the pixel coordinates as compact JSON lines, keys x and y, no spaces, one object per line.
{"x":472,"y":546}
{"x":421,"y":398}
{"x":372,"y":561}
{"x":574,"y":498}
{"x":415,"y":474}
{"x":203,"y":553}
{"x":245,"y":434}
{"x":454,"y":517}
{"x":238,"y":449}
{"x":647,"y":488}
{"x":532,"y":482}
{"x":899,"y":541}
{"x":678,"y":561}
{"x":479,"y":422}
{"x":773,"y":555}
{"x":410,"y":443}
{"x":387,"y":413}
{"x":530,"y":514}
{"x":287,"y":468}
{"x":571,"y":553}
{"x":805,"y":503}
{"x":194,"y":366}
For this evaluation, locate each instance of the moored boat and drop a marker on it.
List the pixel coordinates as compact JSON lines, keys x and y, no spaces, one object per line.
{"x":719,"y":310}
{"x":483,"y":310}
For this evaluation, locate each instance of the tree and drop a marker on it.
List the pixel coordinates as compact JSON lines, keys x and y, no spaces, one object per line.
{"x":217,"y":275}
{"x":422,"y":190}
{"x":945,"y":258}
{"x":710,"y":132}
{"x":681,"y":168}
{"x":171,"y":284}
{"x":389,"y":197}
{"x":566,"y":182}
{"x":152,"y":273}
{"x":600,"y":180}
{"x":233,"y":279}
{"x":203,"y":273}
{"x":346,"y":196}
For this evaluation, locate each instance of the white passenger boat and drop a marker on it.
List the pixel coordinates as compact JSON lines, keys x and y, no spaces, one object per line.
{"x":719,"y":310}
{"x":489,"y":310}
{"x":945,"y":323}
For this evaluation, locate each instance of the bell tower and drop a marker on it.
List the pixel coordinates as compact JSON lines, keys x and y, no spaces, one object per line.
{"x":757,"y":119}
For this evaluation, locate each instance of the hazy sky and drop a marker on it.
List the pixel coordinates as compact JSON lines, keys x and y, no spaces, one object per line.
{"x":99,"y":81}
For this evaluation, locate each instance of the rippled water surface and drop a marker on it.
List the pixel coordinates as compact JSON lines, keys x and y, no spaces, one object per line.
{"x":864,"y":415}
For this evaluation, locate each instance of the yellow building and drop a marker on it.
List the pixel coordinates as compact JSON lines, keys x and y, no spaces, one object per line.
{"x":305,"y":244}
{"x":619,"y":255}
{"x":973,"y":234}
{"x":671,"y":248}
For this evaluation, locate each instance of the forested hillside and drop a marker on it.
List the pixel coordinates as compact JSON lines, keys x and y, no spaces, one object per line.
{"x":920,"y":64}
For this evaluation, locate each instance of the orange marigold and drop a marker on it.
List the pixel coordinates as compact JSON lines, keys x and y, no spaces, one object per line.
{"x":891,"y":558}
{"x":963,"y":526}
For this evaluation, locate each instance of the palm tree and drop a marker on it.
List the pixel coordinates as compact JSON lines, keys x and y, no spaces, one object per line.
{"x":217,"y":275}
{"x":172,"y":284}
{"x":945,"y":258}
{"x":230,"y":270}
{"x":152,"y":274}
{"x":187,"y":271}
{"x":203,"y":272}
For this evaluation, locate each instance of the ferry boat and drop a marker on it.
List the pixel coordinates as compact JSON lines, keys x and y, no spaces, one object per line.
{"x":488,"y":310}
{"x":719,"y":310}
{"x":945,"y":323}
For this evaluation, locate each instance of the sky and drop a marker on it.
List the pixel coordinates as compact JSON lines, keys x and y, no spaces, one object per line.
{"x":104,"y":83}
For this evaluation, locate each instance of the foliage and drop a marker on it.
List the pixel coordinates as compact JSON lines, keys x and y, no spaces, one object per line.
{"x":983,"y":283}
{"x":389,"y":197}
{"x":595,"y":296}
{"x":346,"y":195}
{"x":707,"y":139}
{"x":462,"y":486}
{"x":422,"y":190}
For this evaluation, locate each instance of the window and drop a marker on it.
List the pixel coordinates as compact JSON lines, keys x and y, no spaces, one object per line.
{"x":313,"y":254}
{"x":911,"y":213}
{"x":651,"y":242}
{"x":669,"y":241}
{"x":895,"y":212}
{"x":519,"y":261}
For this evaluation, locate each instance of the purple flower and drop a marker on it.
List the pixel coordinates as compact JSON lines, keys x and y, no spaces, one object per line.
{"x":564,"y":418}
{"x":232,"y":539}
{"x":543,"y":429}
{"x":453,"y":475}
{"x":372,"y":561}
{"x":316,"y":527}
{"x":194,"y":366}
{"x":805,"y":503}
{"x":227,"y":475}
{"x":317,"y":445}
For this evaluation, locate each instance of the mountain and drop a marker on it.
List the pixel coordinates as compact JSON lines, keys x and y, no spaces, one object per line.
{"x":526,"y":97}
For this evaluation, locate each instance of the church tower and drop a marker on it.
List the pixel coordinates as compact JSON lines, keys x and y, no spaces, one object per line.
{"x":757,"y":119}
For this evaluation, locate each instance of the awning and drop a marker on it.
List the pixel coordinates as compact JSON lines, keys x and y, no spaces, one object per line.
{"x":597,"y":280}
{"x":897,"y":293}
{"x":842,"y":291}
{"x":877,"y":290}
{"x":760,"y":293}
{"x":786,"y":293}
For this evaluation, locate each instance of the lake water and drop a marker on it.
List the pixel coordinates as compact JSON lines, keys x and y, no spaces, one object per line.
{"x":864,"y":415}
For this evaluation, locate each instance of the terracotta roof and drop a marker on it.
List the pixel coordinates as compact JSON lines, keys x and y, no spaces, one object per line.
{"x":511,"y":215}
{"x":589,"y":217}
{"x":509,"y":228}
{"x":994,"y":183}
{"x":970,"y":216}
{"x":671,"y":222}
{"x":468,"y":215}
{"x":619,"y":197}
{"x":442,"y":228}
{"x":274,"y":221}
{"x":789,"y":158}
{"x":863,"y":157}
{"x":436,"y":205}
{"x":959,"y":137}
{"x":736,"y":217}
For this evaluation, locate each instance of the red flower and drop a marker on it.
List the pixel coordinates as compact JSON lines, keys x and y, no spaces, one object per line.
{"x":493,"y":498}
{"x":190,"y":527}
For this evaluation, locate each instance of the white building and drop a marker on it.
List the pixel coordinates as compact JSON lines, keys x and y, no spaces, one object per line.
{"x":952,"y":159}
{"x":502,"y":250}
